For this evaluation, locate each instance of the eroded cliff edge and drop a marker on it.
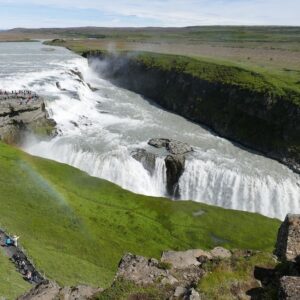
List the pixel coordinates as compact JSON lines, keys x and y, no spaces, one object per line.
{"x":22,"y":113}
{"x":241,"y":105}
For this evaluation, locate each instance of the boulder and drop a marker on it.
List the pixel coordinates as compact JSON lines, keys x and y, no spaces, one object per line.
{"x":180,"y":291}
{"x":49,"y":290}
{"x":174,"y":169}
{"x":173,"y":146}
{"x":289,"y":288}
{"x":140,"y":270}
{"x":185,"y":259}
{"x":170,"y":280}
{"x":146,"y":158}
{"x":176,"y":147}
{"x":220,"y":252}
{"x":194,"y":295}
{"x":159,"y":143}
{"x":288,"y":239}
{"x":78,"y":292}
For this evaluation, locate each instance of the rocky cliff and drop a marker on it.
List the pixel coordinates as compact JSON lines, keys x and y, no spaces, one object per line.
{"x":174,"y":160}
{"x":237,"y":104}
{"x":23,"y":112}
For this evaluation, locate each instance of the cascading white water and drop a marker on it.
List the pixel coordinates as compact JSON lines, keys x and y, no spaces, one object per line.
{"x":99,"y":129}
{"x":212,"y":184}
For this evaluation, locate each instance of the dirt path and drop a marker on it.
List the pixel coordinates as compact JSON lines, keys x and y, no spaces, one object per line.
{"x":21,"y":262}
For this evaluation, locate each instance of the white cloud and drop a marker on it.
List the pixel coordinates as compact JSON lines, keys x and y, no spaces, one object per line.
{"x":186,"y":12}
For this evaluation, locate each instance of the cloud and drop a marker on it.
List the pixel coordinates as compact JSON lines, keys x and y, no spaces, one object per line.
{"x":150,"y":13}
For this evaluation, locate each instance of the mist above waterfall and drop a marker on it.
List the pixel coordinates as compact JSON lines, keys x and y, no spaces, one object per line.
{"x":100,"y":127}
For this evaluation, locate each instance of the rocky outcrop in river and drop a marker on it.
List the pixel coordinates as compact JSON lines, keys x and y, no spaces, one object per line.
{"x":23,"y":112}
{"x":174,"y":160}
{"x":262,"y":120}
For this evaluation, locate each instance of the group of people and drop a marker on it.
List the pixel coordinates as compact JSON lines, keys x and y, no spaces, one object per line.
{"x":12,"y":241}
{"x":20,"y":94}
{"x":24,"y":267}
{"x":20,"y":260}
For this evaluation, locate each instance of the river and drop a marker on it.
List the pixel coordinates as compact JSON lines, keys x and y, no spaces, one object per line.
{"x":99,"y":129}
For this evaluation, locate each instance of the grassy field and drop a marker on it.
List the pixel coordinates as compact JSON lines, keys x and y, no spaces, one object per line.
{"x":76,"y":227}
{"x":225,"y":72}
{"x":248,"y":77}
{"x":266,"y":47}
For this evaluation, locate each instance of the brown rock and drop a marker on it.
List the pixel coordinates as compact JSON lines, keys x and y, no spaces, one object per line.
{"x":288,"y":239}
{"x":175,"y":167}
{"x":220,"y":252}
{"x":140,"y":270}
{"x":289,"y":288}
{"x":184,"y":259}
{"x":51,"y":291}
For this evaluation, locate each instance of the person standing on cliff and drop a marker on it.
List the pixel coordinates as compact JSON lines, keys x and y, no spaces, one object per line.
{"x":15,"y":240}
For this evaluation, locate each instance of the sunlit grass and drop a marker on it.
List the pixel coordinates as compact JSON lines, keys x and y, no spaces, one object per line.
{"x":76,"y":227}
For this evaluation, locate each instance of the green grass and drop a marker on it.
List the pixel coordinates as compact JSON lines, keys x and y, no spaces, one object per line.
{"x":224,"y":34}
{"x":11,"y":284}
{"x":224,"y":276}
{"x":212,"y":70}
{"x":76,"y":227}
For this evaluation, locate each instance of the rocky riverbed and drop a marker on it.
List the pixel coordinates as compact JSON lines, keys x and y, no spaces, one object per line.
{"x":23,"y":112}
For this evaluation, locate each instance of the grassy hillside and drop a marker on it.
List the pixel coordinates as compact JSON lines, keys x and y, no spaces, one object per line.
{"x":76,"y":227}
{"x":224,"y":72}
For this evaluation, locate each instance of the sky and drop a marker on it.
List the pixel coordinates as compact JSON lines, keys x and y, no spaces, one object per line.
{"x":140,"y":13}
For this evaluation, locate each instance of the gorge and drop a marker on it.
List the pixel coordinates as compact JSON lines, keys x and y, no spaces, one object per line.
{"x":99,"y":125}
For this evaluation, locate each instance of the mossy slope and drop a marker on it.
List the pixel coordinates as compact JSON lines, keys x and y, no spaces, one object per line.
{"x":76,"y":227}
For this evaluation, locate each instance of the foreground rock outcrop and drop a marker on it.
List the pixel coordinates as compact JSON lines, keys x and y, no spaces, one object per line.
{"x":23,"y":112}
{"x":288,"y":240}
{"x":49,"y":290}
{"x":177,"y":281}
{"x":198,"y":274}
{"x":288,"y":250}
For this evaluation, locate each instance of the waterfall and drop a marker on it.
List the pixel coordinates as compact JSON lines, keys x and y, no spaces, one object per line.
{"x":100,"y":127}
{"x":212,"y":184}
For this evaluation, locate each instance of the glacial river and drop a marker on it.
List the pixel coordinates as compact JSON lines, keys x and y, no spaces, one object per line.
{"x":99,"y":129}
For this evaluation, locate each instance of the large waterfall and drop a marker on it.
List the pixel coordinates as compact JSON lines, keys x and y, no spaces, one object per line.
{"x":99,"y":125}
